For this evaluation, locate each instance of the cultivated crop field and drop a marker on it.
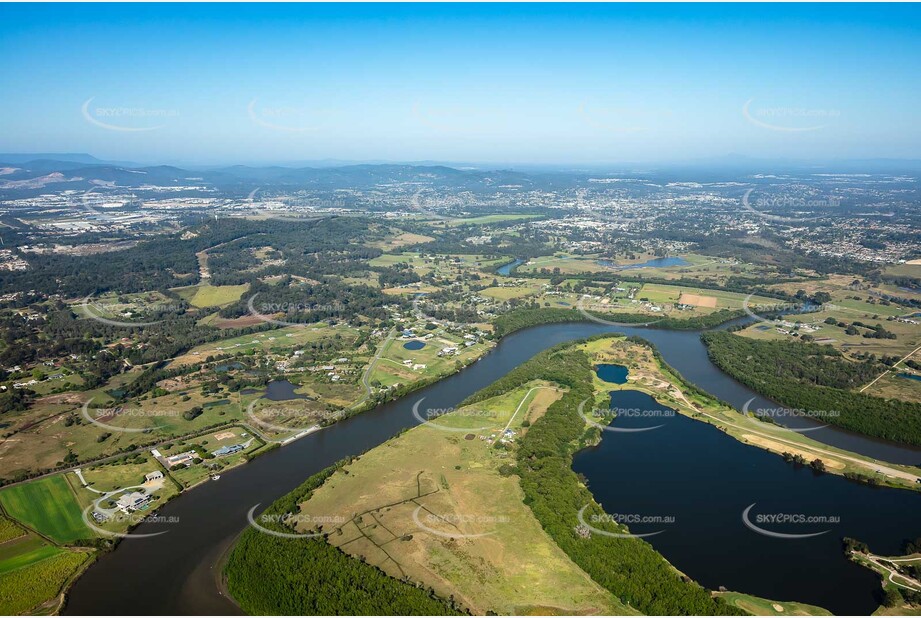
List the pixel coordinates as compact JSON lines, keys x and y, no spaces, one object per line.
{"x":25,"y":588}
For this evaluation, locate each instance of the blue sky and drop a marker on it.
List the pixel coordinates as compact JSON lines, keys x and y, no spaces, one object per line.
{"x":569,"y":84}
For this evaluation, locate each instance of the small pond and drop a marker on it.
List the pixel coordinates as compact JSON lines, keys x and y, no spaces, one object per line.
{"x":615,"y":374}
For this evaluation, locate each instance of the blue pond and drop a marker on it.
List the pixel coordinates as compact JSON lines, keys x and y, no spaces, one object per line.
{"x":615,"y":374}
{"x":415,"y":344}
{"x":655,"y":263}
{"x":910,"y":376}
{"x":282,"y":390}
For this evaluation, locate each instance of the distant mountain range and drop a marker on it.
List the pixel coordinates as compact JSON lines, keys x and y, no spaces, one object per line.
{"x":26,"y":175}
{"x":23,"y":176}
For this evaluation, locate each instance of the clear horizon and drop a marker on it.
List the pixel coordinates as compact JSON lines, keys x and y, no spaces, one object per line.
{"x":499,"y":84}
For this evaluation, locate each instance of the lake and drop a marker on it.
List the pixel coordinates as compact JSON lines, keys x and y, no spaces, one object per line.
{"x":704,"y":480}
{"x":282,"y":390}
{"x":654,"y":263}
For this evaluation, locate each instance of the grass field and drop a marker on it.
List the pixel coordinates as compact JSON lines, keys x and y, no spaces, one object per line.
{"x":25,"y":551}
{"x":699,"y":266}
{"x":454,"y":487}
{"x":491,"y":219}
{"x":126,"y":307}
{"x":505,"y":293}
{"x":908,"y":336}
{"x":904,"y":270}
{"x":567,"y":264}
{"x":110,"y":477}
{"x":212,"y":295}
{"x":32,"y":571}
{"x":390,"y":369}
{"x":756,"y":606}
{"x":281,"y":339}
{"x":894,"y":386}
{"x":400,"y":240}
{"x":660,"y":293}
{"x":49,"y":506}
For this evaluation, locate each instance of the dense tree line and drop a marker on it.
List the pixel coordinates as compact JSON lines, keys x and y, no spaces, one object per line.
{"x":528,"y":243}
{"x":169,"y":260}
{"x":155,"y":264}
{"x":524,"y":318}
{"x":397,"y":275}
{"x":60,"y":333}
{"x":816,"y":379}
{"x":630,"y":568}
{"x":312,"y":249}
{"x":270,"y":575}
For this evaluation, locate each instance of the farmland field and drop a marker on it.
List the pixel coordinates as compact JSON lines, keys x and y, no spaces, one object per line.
{"x":505,"y":293}
{"x":49,"y":506}
{"x":9,"y":530}
{"x":512,"y":567}
{"x":493,"y":219}
{"x":25,"y":588}
{"x":24,"y":551}
{"x":283,"y":338}
{"x":214,"y":296}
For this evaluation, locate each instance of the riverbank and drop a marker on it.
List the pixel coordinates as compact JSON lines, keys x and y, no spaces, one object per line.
{"x":732,"y":516}
{"x":216,"y":512}
{"x":648,"y":373}
{"x":440,"y":506}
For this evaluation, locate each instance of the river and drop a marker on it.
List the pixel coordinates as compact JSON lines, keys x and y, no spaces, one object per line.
{"x":175,"y":573}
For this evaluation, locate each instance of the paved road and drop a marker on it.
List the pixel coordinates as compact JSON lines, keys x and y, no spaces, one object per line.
{"x":365,"y":378}
{"x":906,"y":357}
